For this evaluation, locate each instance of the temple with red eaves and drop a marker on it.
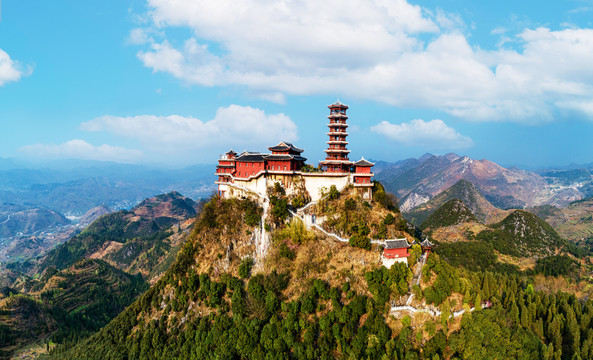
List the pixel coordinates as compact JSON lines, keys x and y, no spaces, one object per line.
{"x":396,"y":250}
{"x":249,"y":172}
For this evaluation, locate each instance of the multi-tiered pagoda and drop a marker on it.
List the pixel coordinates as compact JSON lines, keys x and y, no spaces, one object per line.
{"x":337,"y":160}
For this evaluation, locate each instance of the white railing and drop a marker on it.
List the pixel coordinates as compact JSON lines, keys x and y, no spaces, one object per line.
{"x":433,"y":312}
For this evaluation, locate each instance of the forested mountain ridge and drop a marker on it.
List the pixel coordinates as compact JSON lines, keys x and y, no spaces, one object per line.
{"x":522,"y":233}
{"x":312,"y":297}
{"x":65,"y":305}
{"x":124,"y":235}
{"x":452,"y":212}
{"x":84,"y":283}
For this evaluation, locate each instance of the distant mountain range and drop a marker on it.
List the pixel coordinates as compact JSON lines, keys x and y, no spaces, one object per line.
{"x":80,"y":186}
{"x":416,"y":181}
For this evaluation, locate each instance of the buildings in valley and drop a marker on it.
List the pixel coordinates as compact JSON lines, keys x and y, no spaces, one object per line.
{"x":248,"y":172}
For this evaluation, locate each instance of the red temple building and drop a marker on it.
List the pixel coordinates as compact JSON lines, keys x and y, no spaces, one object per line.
{"x":251,"y":171}
{"x":396,"y":250}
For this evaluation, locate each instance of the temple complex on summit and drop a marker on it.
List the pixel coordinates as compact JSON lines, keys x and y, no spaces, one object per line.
{"x":248,"y":172}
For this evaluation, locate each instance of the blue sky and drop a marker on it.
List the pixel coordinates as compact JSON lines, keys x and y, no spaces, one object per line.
{"x":178,"y":82}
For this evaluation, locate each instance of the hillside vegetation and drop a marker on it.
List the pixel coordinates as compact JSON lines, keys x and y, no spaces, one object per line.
{"x":522,"y":234}
{"x":452,"y":212}
{"x":314,"y":298}
{"x":124,"y":236}
{"x":68,"y":304}
{"x":349,"y":216}
{"x":83,"y":284}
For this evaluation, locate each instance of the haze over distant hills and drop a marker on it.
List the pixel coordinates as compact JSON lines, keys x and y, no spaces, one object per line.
{"x":36,"y":197}
{"x":77,"y":186}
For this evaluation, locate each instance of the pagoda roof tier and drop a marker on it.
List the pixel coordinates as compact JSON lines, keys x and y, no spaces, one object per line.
{"x":337,"y":142}
{"x":337,"y":116}
{"x":363,"y":162}
{"x":337,"y":133}
{"x":336,"y":162}
{"x":337,"y":124}
{"x":284,"y":146}
{"x":396,"y":244}
{"x":336,"y":150}
{"x":284,"y":157}
{"x":338,"y":104}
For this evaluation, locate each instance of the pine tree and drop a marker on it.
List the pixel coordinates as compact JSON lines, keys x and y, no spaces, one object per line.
{"x":445,"y":313}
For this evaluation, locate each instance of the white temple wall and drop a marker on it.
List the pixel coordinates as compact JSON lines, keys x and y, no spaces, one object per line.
{"x":387,"y":262}
{"x":315,"y":182}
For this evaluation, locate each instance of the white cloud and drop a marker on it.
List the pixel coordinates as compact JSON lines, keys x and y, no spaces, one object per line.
{"x":8,"y":69}
{"x":80,"y":149}
{"x":237,"y":126}
{"x":434,"y":134}
{"x":371,"y":49}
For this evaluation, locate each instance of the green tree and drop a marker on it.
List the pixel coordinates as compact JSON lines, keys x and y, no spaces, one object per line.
{"x":382,"y":231}
{"x":360,"y":241}
{"x":478,"y":302}
{"x":245,"y":267}
{"x":389,"y":219}
{"x":415,"y":253}
{"x":333,"y":193}
{"x":445,"y":313}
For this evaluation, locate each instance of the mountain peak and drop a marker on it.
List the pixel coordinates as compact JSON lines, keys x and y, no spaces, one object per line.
{"x":425,"y":157}
{"x":522,"y":233}
{"x":172,"y":205}
{"x":462,"y":190}
{"x":452,"y":212}
{"x":452,"y":156}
